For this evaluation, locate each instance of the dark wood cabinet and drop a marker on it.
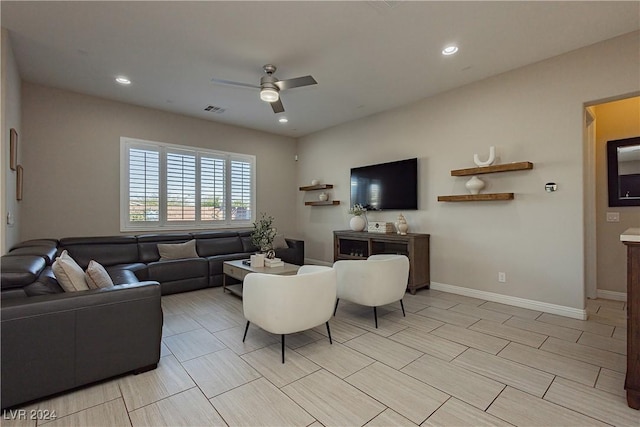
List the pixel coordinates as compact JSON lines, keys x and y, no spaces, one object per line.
{"x":632,"y":379}
{"x":361,"y":244}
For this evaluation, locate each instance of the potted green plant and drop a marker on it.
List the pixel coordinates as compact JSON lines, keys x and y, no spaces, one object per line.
{"x":263,"y":234}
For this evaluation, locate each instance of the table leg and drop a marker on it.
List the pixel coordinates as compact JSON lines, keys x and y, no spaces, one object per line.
{"x":224,"y":283}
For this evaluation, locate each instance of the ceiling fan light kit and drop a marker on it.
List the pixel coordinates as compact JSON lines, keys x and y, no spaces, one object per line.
{"x":268,"y":94}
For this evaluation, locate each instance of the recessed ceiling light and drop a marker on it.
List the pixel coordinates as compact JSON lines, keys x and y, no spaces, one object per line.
{"x":283,"y":120}
{"x":123,"y":80}
{"x":449,"y":50}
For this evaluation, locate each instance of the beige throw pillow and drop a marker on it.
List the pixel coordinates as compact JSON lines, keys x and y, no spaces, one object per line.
{"x":97,"y":277}
{"x":170,"y":251}
{"x":279,"y":242}
{"x":69,"y":274}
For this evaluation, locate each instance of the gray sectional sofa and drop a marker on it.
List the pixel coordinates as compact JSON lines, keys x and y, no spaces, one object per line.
{"x":54,"y":341}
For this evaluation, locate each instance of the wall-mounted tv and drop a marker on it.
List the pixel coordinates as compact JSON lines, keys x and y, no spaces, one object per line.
{"x":386,"y":186}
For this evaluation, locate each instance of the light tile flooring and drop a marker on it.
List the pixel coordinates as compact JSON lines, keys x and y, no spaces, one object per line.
{"x":452,"y":361}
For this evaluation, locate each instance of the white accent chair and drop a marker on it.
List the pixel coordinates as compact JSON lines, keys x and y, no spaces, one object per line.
{"x":376,"y":281}
{"x":288,"y":304}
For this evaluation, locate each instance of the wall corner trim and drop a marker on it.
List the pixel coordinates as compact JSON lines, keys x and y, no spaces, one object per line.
{"x":560,"y":310}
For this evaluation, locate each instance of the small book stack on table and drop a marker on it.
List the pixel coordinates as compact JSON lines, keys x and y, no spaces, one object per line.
{"x":275,"y":262}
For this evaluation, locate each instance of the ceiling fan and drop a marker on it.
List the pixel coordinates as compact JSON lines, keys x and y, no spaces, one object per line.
{"x":270,"y":86}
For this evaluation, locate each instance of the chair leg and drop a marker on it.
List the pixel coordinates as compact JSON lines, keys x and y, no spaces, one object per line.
{"x":402,"y":305}
{"x":329,"y":332}
{"x":282,"y":348}
{"x":375,"y":316}
{"x":245,"y":331}
{"x":336,"y":307}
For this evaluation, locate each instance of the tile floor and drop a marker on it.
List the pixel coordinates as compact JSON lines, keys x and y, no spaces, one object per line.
{"x":452,"y":361}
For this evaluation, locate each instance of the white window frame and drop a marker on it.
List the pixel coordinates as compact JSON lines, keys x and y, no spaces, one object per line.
{"x":162,"y":224}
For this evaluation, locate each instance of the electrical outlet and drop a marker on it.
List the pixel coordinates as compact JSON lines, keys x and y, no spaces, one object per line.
{"x":502,"y":277}
{"x":613,"y":216}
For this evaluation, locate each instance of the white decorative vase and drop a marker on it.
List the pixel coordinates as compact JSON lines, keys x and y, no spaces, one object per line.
{"x":402,"y":225}
{"x":474,"y":185}
{"x":357,"y":223}
{"x":323,"y":197}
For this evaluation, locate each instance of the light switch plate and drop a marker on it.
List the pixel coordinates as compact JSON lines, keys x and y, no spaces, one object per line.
{"x":613,"y":216}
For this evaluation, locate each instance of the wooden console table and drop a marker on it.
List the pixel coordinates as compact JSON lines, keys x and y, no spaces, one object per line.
{"x":361,"y":244}
{"x":631,"y":238}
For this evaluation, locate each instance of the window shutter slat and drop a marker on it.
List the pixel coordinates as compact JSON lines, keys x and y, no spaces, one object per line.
{"x":212,"y":189}
{"x":181,"y":187}
{"x":241,"y":190}
{"x":144,"y":185}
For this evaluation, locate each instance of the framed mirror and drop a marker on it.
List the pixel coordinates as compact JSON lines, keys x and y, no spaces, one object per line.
{"x":623,"y":171}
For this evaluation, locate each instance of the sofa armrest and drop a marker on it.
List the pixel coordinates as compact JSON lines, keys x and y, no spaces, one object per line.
{"x":52,"y":343}
{"x":294,"y":254}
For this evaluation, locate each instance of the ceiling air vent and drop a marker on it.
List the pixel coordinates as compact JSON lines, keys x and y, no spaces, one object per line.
{"x":214,"y":109}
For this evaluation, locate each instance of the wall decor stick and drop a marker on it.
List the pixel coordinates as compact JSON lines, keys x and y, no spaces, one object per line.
{"x":492,"y":158}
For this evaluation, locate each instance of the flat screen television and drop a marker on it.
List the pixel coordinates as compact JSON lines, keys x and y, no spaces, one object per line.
{"x":386,"y":186}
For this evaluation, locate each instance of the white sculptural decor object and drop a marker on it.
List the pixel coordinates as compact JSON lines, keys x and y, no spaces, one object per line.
{"x":474,"y":185}
{"x":323,"y":197}
{"x":402,"y":225}
{"x":490,"y":160}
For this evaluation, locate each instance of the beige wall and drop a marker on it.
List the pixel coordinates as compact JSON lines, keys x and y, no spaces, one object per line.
{"x":614,"y":120}
{"x":9,"y":234}
{"x":531,"y":114}
{"x":72,"y":173}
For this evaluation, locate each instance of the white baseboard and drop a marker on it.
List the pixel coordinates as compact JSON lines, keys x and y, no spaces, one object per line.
{"x":560,"y":310}
{"x":612,"y":295}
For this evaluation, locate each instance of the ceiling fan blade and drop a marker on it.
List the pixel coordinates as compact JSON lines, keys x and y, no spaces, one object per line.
{"x":277,"y":106}
{"x":297,"y":82}
{"x":232,"y":83}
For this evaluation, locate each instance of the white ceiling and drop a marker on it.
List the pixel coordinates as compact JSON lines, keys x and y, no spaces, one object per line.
{"x":367,"y":56}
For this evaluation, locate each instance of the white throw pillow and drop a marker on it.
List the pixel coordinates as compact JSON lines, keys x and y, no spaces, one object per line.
{"x":279,"y":242}
{"x":170,"y":251}
{"x":97,"y":277}
{"x":69,"y":274}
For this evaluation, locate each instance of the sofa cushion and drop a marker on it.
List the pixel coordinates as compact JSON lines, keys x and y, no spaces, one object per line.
{"x":247,"y":244}
{"x":148,"y":244}
{"x":20,"y":270}
{"x":167,"y":271}
{"x":45,"y":285}
{"x":109,"y":250}
{"x":37,"y":242}
{"x":97,"y":277}
{"x":169,"y":251}
{"x":121,"y":275}
{"x":48,"y":252}
{"x":69,"y":274}
{"x":219,"y":245}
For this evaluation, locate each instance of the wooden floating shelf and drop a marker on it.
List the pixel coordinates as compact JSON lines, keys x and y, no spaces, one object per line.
{"x":327,"y":203}
{"x":517,"y":166}
{"x":316,"y":187}
{"x":476,"y":197}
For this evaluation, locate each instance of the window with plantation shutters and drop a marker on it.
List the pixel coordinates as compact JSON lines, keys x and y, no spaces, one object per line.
{"x":166,"y":186}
